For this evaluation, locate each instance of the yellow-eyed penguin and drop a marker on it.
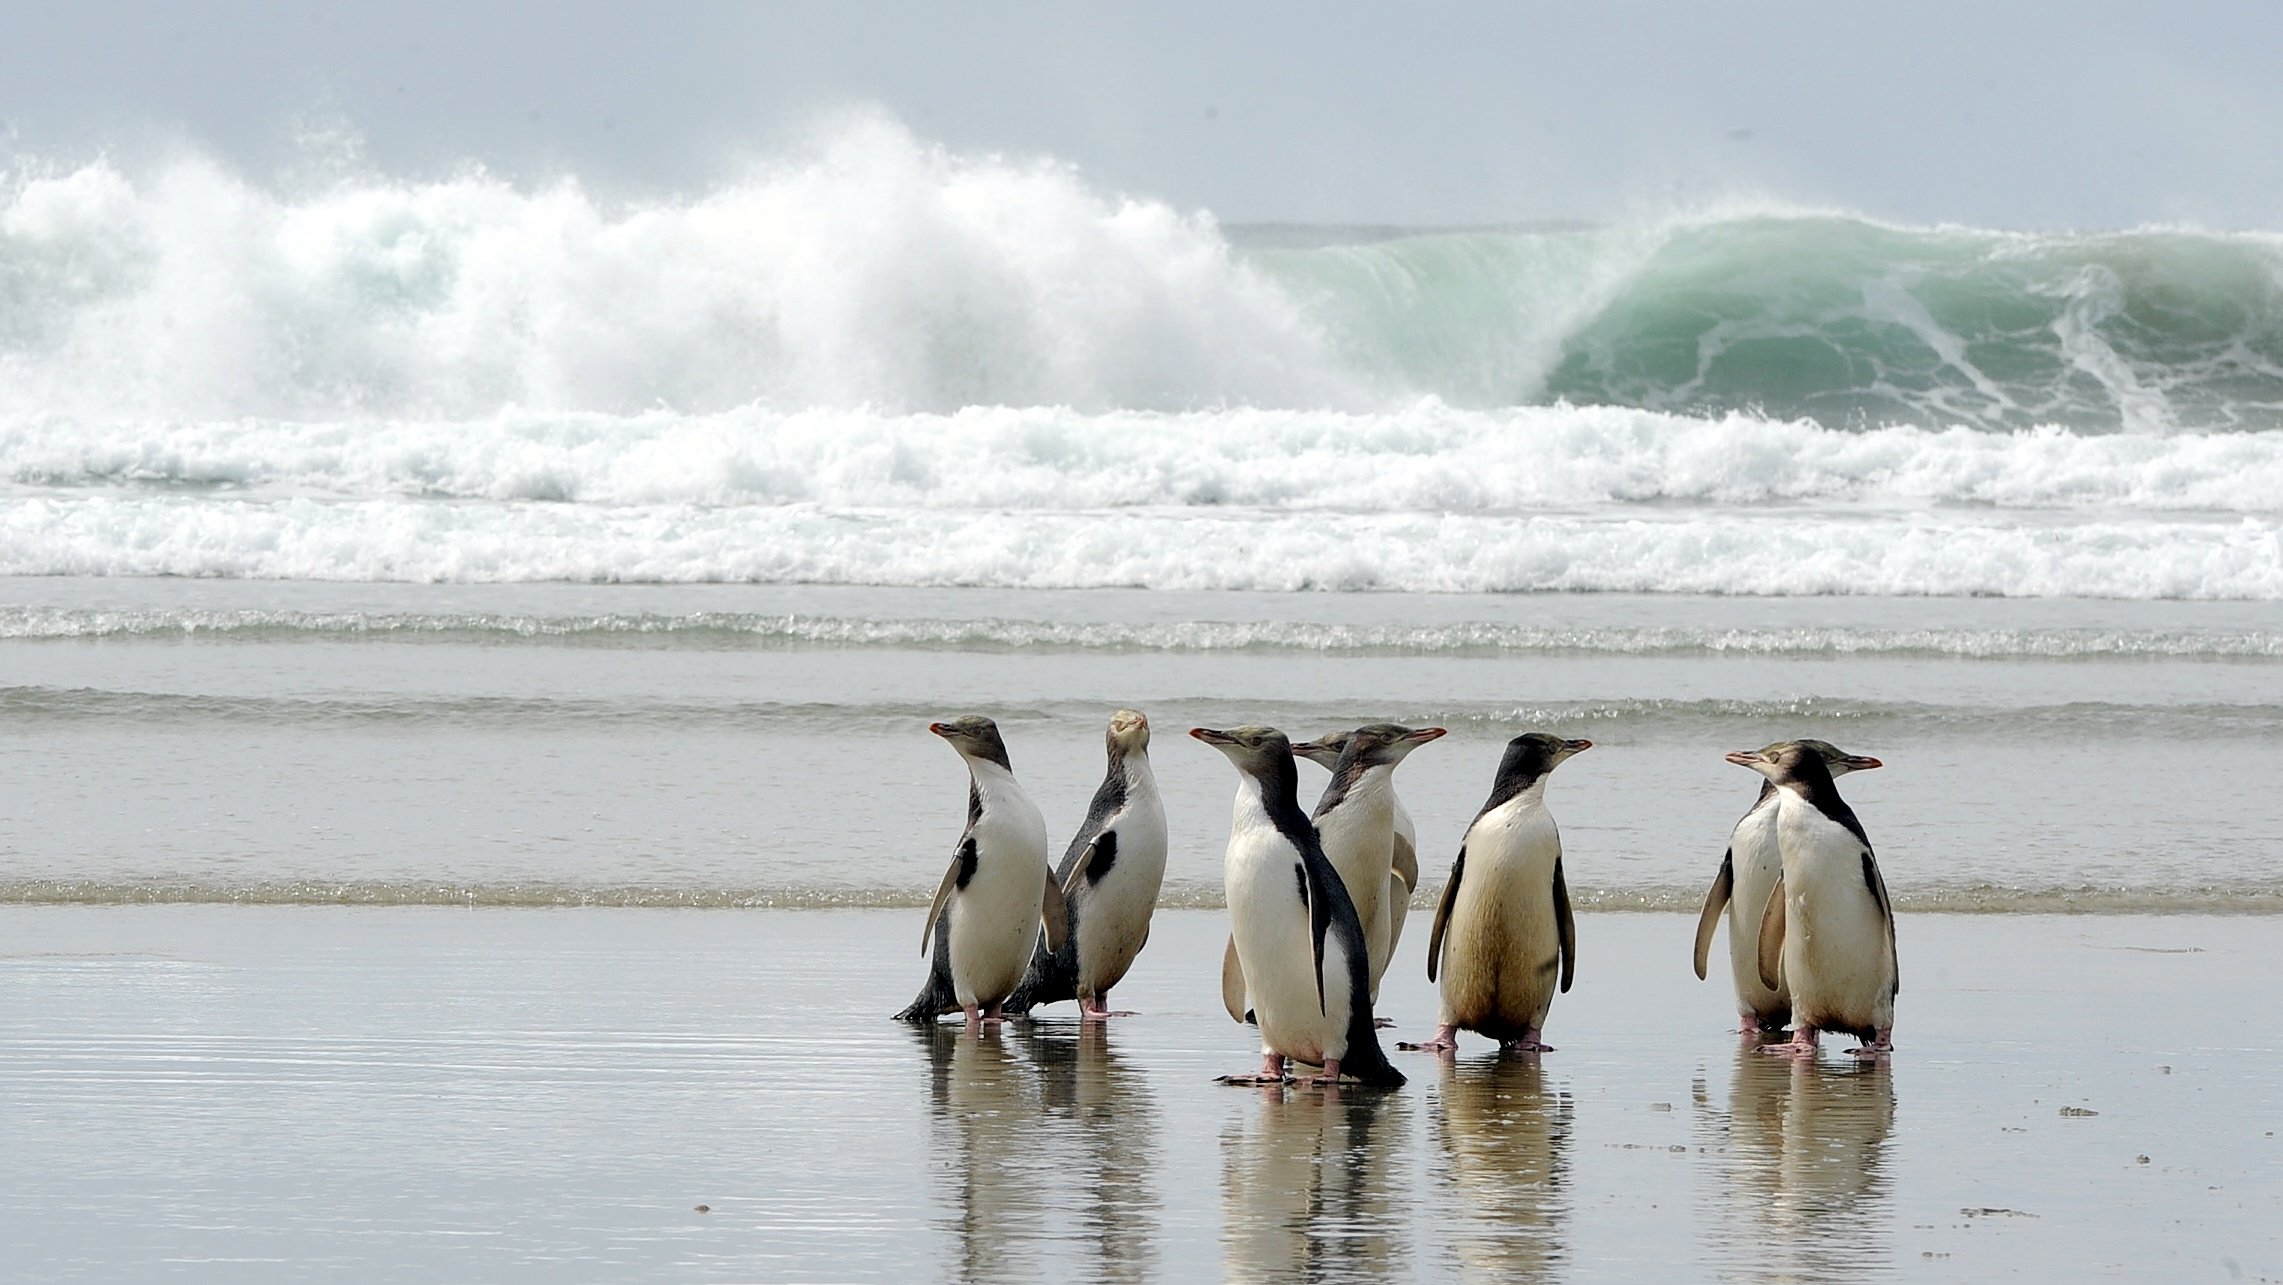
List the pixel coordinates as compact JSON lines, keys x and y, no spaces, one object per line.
{"x":987,"y":911}
{"x":1828,"y":929}
{"x":1110,"y":877}
{"x":1748,"y":870}
{"x":1306,"y":967}
{"x":1403,"y":861}
{"x":1503,"y":937}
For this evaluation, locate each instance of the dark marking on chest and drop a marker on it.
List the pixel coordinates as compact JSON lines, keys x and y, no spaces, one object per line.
{"x":1105,"y":856}
{"x":1346,"y":776}
{"x":1300,"y":872}
{"x":974,"y":803}
{"x":966,"y":862}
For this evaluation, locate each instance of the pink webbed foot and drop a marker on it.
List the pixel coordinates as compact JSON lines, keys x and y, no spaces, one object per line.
{"x":1382,"y":1023}
{"x":1271,"y":1072}
{"x":1801,"y":1044}
{"x":1446,"y":1040}
{"x":1330,"y":1079}
{"x":1529,"y":1043}
{"x":1095,"y":1008}
{"x":1878,"y":1047}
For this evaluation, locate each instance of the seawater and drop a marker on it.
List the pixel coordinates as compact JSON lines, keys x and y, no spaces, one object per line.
{"x":749,"y":745}
{"x":387,"y":539}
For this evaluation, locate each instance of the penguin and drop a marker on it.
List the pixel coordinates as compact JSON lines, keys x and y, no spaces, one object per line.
{"x":987,"y":911}
{"x":1828,"y":928}
{"x":1109,"y":878}
{"x":1503,"y":933}
{"x":1356,"y":820}
{"x":1404,"y":861}
{"x":1306,"y":967}
{"x":1748,"y":870}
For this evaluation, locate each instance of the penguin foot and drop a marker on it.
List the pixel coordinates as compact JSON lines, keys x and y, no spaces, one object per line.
{"x":1879,"y":1046}
{"x":1382,"y":1023}
{"x":1801,"y":1044}
{"x":1525,"y":1046}
{"x":1271,"y":1072}
{"x":1446,"y":1040}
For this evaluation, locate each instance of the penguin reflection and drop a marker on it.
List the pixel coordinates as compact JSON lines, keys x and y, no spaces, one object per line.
{"x":1507,"y":1137}
{"x":1808,"y":1141}
{"x":982,"y":1095}
{"x":1103,"y":1110}
{"x":1309,"y":1188}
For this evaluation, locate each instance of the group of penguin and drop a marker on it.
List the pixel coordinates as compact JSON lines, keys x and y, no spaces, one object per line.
{"x":1317,"y":901}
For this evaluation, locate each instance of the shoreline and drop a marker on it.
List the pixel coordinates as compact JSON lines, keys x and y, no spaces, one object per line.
{"x":504,"y":1094}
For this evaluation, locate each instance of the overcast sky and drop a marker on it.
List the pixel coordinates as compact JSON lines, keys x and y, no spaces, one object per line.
{"x":2019,"y":115}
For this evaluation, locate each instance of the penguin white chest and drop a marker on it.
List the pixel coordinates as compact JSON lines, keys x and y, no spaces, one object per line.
{"x":1269,"y":922}
{"x":1501,"y":951}
{"x":1113,"y":913}
{"x":994,"y":918}
{"x":1837,"y":952}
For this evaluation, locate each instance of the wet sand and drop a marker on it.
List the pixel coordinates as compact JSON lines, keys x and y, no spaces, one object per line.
{"x":229,"y":1093}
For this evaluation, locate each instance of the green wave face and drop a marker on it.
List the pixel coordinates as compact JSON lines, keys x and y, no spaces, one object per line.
{"x":1844,"y":322}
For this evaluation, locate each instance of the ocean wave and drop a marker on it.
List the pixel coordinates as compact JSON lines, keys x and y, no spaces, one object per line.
{"x":1426,"y":456}
{"x":2249,"y":898}
{"x":870,"y":268}
{"x":1745,"y":552}
{"x":1651,"y":718}
{"x":714,"y":629}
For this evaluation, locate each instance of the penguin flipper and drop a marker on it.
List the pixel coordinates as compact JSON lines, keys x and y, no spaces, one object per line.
{"x":1443,"y":913}
{"x":1319,"y":902}
{"x":1406,"y":863}
{"x":1078,"y":872}
{"x":1878,"y":884}
{"x":1771,"y":953}
{"x":1233,"y":984}
{"x":1715,"y":901}
{"x":1054,"y":910}
{"x":1565,"y":927}
{"x":962,"y":868}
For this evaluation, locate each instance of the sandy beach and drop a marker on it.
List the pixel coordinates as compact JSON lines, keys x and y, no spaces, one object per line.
{"x":212,"y":1092}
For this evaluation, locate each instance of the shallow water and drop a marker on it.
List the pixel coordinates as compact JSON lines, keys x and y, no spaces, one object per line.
{"x":211,"y":1092}
{"x":566,"y":744}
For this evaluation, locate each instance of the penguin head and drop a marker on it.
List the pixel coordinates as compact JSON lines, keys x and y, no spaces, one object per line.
{"x":1786,"y":762}
{"x":1324,"y":751}
{"x":975,"y":737}
{"x":1384,"y":744}
{"x":1837,"y":761}
{"x":1533,"y":754}
{"x":1129,"y":732}
{"x":1257,"y":751}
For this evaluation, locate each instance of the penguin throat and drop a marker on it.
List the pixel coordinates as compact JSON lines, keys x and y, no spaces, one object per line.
{"x":991,"y":781}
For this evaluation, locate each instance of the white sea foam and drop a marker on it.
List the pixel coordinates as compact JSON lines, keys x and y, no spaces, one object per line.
{"x":871,"y":269}
{"x":1976,"y":553}
{"x":713,"y":628}
{"x":1426,"y":456}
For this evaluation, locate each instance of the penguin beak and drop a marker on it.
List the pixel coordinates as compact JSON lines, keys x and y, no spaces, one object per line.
{"x":1426,"y":734}
{"x":1211,"y":737}
{"x":1861,"y":762}
{"x":1577,"y":747}
{"x":1744,"y":758}
{"x":944,"y":730}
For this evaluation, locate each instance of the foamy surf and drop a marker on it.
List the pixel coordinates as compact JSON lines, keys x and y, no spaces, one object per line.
{"x":1757,"y":552}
